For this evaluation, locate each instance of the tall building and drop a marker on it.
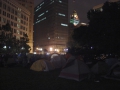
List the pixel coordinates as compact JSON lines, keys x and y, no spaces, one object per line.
{"x":29,"y":5}
{"x":51,"y":25}
{"x":74,"y":18}
{"x":74,"y":22}
{"x":16,"y":15}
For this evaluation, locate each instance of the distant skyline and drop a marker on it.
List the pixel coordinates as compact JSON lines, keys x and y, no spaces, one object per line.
{"x":81,"y":6}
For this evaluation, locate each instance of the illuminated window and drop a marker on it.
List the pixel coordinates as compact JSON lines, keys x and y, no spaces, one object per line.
{"x":52,"y":2}
{"x":41,"y":20}
{"x":48,"y":37}
{"x":38,"y":9}
{"x":18,"y":32}
{"x":60,"y":1}
{"x":61,"y":14}
{"x":41,"y":14}
{"x":41,"y":4}
{"x":64,"y":24}
{"x":18,"y":25}
{"x":18,"y":20}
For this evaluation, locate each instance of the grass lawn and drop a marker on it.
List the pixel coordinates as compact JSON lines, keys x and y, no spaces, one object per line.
{"x":20,"y":78}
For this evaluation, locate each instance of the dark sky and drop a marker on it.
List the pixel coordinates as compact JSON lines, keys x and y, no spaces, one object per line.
{"x":81,"y":6}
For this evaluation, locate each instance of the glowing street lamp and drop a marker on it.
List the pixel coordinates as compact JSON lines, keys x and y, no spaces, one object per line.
{"x":4,"y":47}
{"x":22,"y":48}
{"x":40,"y":49}
{"x":65,"y":50}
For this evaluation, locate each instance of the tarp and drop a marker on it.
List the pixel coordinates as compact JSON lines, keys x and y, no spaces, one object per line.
{"x":75,"y":70}
{"x":42,"y":65}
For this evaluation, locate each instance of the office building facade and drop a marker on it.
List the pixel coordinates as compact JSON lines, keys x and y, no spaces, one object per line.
{"x":51,"y":25}
{"x":29,"y":5}
{"x":16,"y":15}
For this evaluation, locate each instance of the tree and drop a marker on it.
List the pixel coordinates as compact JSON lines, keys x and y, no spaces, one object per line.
{"x":5,"y":37}
{"x":9,"y":43}
{"x":80,"y":35}
{"x":104,"y":27}
{"x":23,"y":44}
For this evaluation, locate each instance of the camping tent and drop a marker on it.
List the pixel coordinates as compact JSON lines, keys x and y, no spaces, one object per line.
{"x":100,"y":68}
{"x":111,"y":61}
{"x":75,"y":70}
{"x":42,"y":65}
{"x":53,"y":55}
{"x":58,"y":61}
{"x":114,"y":72}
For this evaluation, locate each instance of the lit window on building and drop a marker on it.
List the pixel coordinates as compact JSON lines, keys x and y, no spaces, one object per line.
{"x":19,"y":9}
{"x":18,"y":25}
{"x":60,"y":1}
{"x":38,"y":9}
{"x":17,"y":37}
{"x":61,"y":14}
{"x":62,"y":24}
{"x":52,"y":2}
{"x":41,"y":14}
{"x":41,"y":4}
{"x":18,"y":32}
{"x":48,"y":37}
{"x":18,"y":20}
{"x":41,"y":20}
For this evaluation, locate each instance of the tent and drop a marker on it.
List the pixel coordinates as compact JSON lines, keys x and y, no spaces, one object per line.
{"x":100,"y":68}
{"x":114,"y":72}
{"x":58,"y":61}
{"x":111,"y":61}
{"x":42,"y":65}
{"x":75,"y":70}
{"x":53,"y":55}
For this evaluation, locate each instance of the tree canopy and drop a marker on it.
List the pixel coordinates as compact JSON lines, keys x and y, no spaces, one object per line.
{"x":103,"y":31}
{"x":9,"y":43}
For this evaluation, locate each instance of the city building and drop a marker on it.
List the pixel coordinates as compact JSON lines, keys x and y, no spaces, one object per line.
{"x":73,"y":23}
{"x":29,"y":5}
{"x":51,"y":26}
{"x":16,"y":15}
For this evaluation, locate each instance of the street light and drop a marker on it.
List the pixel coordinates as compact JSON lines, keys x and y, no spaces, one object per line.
{"x":4,"y":47}
{"x":22,"y":48}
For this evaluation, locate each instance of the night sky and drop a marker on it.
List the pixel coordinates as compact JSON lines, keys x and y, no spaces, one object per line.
{"x":81,"y":6}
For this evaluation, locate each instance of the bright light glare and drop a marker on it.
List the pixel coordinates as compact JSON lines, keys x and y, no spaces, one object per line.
{"x":40,"y":49}
{"x":51,"y":49}
{"x":4,"y":47}
{"x":34,"y":52}
{"x":48,"y":53}
{"x":22,"y":48}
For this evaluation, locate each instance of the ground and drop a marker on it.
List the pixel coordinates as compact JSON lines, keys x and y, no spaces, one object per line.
{"x":21,"y":78}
